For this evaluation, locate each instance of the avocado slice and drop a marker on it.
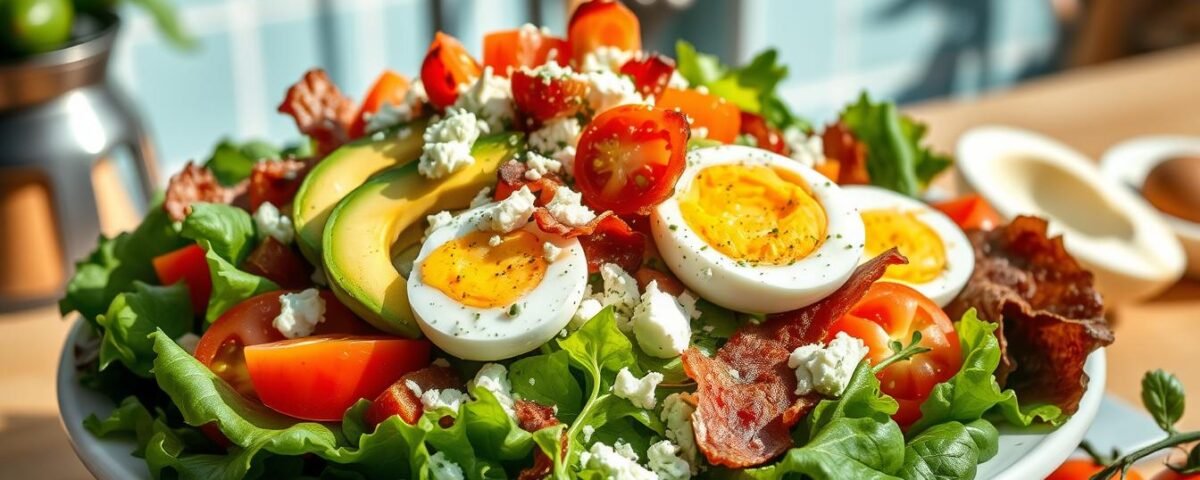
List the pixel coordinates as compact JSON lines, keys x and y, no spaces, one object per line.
{"x":373,"y":221}
{"x":342,"y":171}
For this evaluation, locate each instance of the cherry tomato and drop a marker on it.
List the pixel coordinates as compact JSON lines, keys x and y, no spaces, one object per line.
{"x":602,"y":23}
{"x":1083,"y":469}
{"x":507,"y":50}
{"x":447,"y":65}
{"x":892,"y":312}
{"x":970,"y":212}
{"x":721,"y":119}
{"x":390,"y":87}
{"x":399,"y":399}
{"x":278,"y":263}
{"x":650,"y":74}
{"x":186,"y":265}
{"x":630,"y":157}
{"x":765,"y":136}
{"x":544,"y":98}
{"x":251,"y":323}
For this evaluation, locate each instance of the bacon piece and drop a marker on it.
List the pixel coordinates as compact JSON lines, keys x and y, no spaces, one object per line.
{"x":840,"y":145}
{"x":320,"y":110}
{"x":605,"y":239}
{"x":196,"y":184}
{"x":280,"y":264}
{"x":1051,"y":317}
{"x":277,"y":181}
{"x":511,"y":177}
{"x":400,"y":400}
{"x":533,"y":416}
{"x":746,"y":400}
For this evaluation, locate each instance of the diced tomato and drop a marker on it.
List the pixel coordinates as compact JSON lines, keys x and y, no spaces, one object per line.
{"x":251,"y":323}
{"x":766,"y":136}
{"x":602,"y":23}
{"x":318,"y":378}
{"x":399,"y":399}
{"x":186,"y":265}
{"x":390,"y":87}
{"x":447,"y":65}
{"x":507,"y":50}
{"x":721,"y":119}
{"x":543,"y":98}
{"x":650,"y":74}
{"x":630,"y":157}
{"x":970,"y":212}
{"x":892,"y":312}
{"x":278,"y":263}
{"x":842,"y":148}
{"x":276,"y":182}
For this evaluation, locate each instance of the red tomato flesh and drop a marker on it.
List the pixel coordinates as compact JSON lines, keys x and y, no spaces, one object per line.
{"x":602,"y":23}
{"x":765,"y":136}
{"x":186,"y":265}
{"x":650,"y":74}
{"x":509,"y":50}
{"x":891,"y":311}
{"x":630,"y":157}
{"x":390,"y":87}
{"x":446,"y":66}
{"x":970,"y":212}
{"x":278,"y":263}
{"x":542,"y":99}
{"x":399,"y":399}
{"x":720,"y":118}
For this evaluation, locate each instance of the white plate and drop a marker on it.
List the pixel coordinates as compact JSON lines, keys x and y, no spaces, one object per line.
{"x":1024,"y":453}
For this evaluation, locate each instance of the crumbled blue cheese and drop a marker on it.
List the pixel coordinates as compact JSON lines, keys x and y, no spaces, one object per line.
{"x":639,"y":391}
{"x":557,"y":139}
{"x":271,"y":223}
{"x":490,"y":99}
{"x":441,"y":468}
{"x":551,"y":251}
{"x":677,"y":414}
{"x":509,"y":214}
{"x":188,"y":342}
{"x":493,"y":377}
{"x":663,"y":460}
{"x":606,"y":59}
{"x":826,"y":369}
{"x":483,"y":197}
{"x":615,"y":462}
{"x":448,"y":143}
{"x":607,"y":90}
{"x":806,"y":149}
{"x":390,"y":115}
{"x":660,"y":324}
{"x":567,"y":207}
{"x":621,"y":292}
{"x":299,"y":313}
{"x":537,"y":166}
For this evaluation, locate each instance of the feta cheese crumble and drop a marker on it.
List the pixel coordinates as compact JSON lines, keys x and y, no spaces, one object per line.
{"x":495,"y":241}
{"x":537,"y":166}
{"x":827,"y":369}
{"x":621,"y":292}
{"x":551,"y":251}
{"x":677,"y":414}
{"x":664,"y":462}
{"x":677,"y":81}
{"x":448,"y":143}
{"x":299,"y":313}
{"x":493,"y":377}
{"x":509,"y":214}
{"x":271,"y":223}
{"x":806,"y":149}
{"x":588,"y":430}
{"x":639,"y":391}
{"x":390,"y":115}
{"x":620,"y":462}
{"x":588,"y":308}
{"x":557,"y":139}
{"x":567,"y":207}
{"x":441,"y":468}
{"x":483,"y":197}
{"x":660,"y":324}
{"x":436,"y":221}
{"x":606,"y":59}
{"x":608,"y":90}
{"x":490,"y":99}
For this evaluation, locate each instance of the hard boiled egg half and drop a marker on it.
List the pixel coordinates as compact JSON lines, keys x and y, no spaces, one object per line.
{"x":483,"y":295}
{"x":757,"y":232}
{"x":940,"y":258}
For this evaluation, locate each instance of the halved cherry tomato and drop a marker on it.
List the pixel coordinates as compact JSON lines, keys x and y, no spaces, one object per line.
{"x":630,"y":157}
{"x":251,"y":323}
{"x":891,"y":311}
{"x":512,"y":49}
{"x":543,"y":98}
{"x":186,"y":265}
{"x":390,"y":87}
{"x":1084,"y":469}
{"x":970,"y":212}
{"x":602,"y":23}
{"x":447,"y":65}
{"x":278,"y":263}
{"x":720,"y":118}
{"x":317,"y":378}
{"x":766,"y":136}
{"x":650,"y":74}
{"x":401,"y":400}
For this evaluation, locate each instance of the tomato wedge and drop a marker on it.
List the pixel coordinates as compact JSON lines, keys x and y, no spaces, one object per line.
{"x":602,"y":23}
{"x":765,"y":136}
{"x":970,"y":212}
{"x":390,"y":87}
{"x":891,"y":311}
{"x":186,"y":265}
{"x":630,"y":157}
{"x":447,"y":65}
{"x":650,"y":74}
{"x":317,"y":378}
{"x":399,"y":399}
{"x":251,"y":323}
{"x":722,"y":120}
{"x":509,"y":50}
{"x":543,"y":98}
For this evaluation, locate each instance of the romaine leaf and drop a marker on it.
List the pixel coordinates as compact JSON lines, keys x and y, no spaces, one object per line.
{"x":895,"y":158}
{"x":229,"y":285}
{"x":950,"y":451}
{"x":232,"y":163}
{"x":227,"y":229}
{"x":133,"y":316}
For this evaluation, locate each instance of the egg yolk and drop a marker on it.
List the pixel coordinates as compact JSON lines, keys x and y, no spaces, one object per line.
{"x":903,"y":230}
{"x":754,"y":213}
{"x":477,"y":274}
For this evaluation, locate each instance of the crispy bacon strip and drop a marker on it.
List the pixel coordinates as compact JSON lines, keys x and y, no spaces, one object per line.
{"x":511,"y":177}
{"x":840,"y":145}
{"x":320,"y":110}
{"x":196,"y":184}
{"x":533,"y":416}
{"x":1050,"y":315}
{"x":746,"y":400}
{"x":277,"y":181}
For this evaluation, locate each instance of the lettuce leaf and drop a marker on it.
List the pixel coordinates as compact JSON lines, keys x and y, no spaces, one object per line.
{"x":228,"y":230}
{"x":895,"y":158}
{"x":547,"y":379}
{"x":231,"y":162}
{"x":229,"y":284}
{"x":752,"y":87}
{"x":950,"y":450}
{"x":133,"y":316}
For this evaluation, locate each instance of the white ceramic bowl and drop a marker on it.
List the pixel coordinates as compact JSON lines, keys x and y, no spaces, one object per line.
{"x":1023,"y":453}
{"x":1129,"y":162}
{"x":1110,"y":230}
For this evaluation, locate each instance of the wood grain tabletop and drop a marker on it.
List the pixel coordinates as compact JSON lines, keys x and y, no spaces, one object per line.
{"x":1090,"y":109}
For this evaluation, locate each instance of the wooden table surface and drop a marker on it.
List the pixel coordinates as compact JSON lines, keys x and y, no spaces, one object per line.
{"x":1090,"y":110}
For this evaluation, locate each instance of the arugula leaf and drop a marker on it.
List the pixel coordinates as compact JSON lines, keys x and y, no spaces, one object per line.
{"x":229,"y":285}
{"x":895,"y":158}
{"x":1163,"y":396}
{"x":232,"y":163}
{"x":751,"y":87}
{"x":133,"y":316}
{"x":227,"y":229}
{"x":949,"y":451}
{"x":973,"y":391}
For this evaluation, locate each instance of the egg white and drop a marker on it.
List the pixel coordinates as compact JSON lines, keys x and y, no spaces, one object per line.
{"x":487,"y":334}
{"x":960,"y":255}
{"x":746,"y":287}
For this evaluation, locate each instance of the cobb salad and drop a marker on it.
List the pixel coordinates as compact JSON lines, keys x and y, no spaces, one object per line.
{"x":577,"y":259}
